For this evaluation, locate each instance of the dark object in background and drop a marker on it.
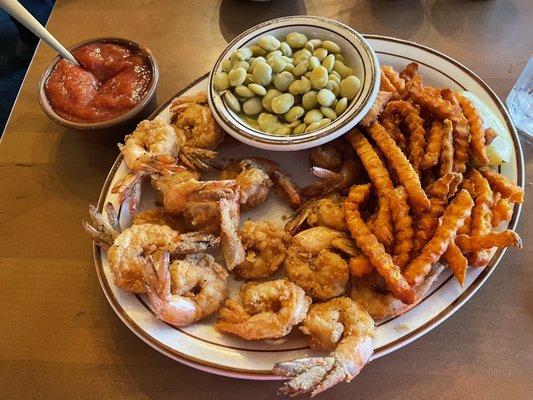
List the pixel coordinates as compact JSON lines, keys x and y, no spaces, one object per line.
{"x":17,"y":45}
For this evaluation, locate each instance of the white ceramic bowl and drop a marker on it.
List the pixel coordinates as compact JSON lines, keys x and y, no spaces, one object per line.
{"x":357,"y":54}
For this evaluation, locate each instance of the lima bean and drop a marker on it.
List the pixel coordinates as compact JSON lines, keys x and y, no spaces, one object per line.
{"x":285,"y":49}
{"x":282,"y":103}
{"x":294,"y":114}
{"x":325,"y":97}
{"x":313,"y":116}
{"x":244,"y":91}
{"x":309,"y":100}
{"x":313,"y":62}
{"x":240,"y":64}
{"x":320,"y":54}
{"x":262,"y":73}
{"x":267,"y":98}
{"x":252,"y":106}
{"x":269,"y":43}
{"x":226,"y":66}
{"x":237,"y":76}
{"x":276,"y":63}
{"x":331,"y":47}
{"x":328,"y":112}
{"x":300,"y":128}
{"x":301,"y":55}
{"x":283,"y":80}
{"x":328,"y":62}
{"x":301,"y":68}
{"x":318,"y":125}
{"x":333,"y":86}
{"x":275,"y":53}
{"x":257,"y":89}
{"x":319,"y":77}
{"x":316,"y":43}
{"x":231,"y":101}
{"x":283,"y":130}
{"x":341,"y":69}
{"x":268,"y":123}
{"x":350,"y":87}
{"x":341,"y":106}
{"x":296,"y":40}
{"x":257,"y":51}
{"x":221,"y":81}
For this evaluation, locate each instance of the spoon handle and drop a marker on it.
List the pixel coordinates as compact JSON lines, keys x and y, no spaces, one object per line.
{"x":14,"y":8}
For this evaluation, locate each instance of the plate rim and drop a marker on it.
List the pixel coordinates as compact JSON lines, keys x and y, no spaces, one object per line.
{"x":210,"y":367}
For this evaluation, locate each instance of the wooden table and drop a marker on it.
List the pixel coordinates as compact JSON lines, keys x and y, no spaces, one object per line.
{"x":58,"y":336}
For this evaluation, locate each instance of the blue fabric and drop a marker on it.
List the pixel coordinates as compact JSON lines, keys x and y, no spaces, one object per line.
{"x":17,"y":46}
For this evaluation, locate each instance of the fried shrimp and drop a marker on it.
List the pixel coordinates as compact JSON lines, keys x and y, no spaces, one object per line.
{"x":185,"y":291}
{"x":371,"y":292}
{"x":195,"y":125}
{"x":378,"y":174}
{"x":342,"y":326}
{"x":476,"y":129}
{"x":255,"y":176}
{"x":404,"y":170}
{"x":127,"y":250}
{"x":371,"y":248}
{"x":153,"y":147}
{"x":266,"y":248}
{"x":313,"y":261}
{"x":177,"y":197}
{"x":232,"y":247}
{"x":264,"y":310}
{"x":452,"y":219}
{"x":157,"y":216}
{"x":325,"y":211}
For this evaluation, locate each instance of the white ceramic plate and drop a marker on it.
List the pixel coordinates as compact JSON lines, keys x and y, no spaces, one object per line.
{"x":200,"y":346}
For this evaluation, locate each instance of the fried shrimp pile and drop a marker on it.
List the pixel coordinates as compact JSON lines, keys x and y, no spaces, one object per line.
{"x":393,"y":202}
{"x":264,"y":310}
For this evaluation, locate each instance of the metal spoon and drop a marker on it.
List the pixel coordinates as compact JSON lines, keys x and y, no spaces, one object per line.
{"x":14,"y":8}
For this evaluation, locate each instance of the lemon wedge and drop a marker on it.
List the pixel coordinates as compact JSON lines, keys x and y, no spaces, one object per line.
{"x":501,"y":148}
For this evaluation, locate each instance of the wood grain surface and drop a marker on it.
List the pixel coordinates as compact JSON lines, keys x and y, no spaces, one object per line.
{"x":58,"y":336}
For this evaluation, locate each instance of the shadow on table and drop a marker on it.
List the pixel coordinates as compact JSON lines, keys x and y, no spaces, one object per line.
{"x":236,"y":16}
{"x":397,"y":18}
{"x":470,"y":20}
{"x":80,"y":167}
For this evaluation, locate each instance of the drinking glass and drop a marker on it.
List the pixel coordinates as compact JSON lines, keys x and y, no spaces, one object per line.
{"x":520,"y":100}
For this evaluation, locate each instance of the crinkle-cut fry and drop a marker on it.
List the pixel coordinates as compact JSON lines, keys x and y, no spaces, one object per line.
{"x":434,"y":104}
{"x":444,"y":188}
{"x":380,"y":178}
{"x":360,"y":266}
{"x":434,"y":145}
{"x":403,"y":227}
{"x":481,"y":223}
{"x":461,"y":133}
{"x":378,"y":106}
{"x":476,"y":129}
{"x":492,"y":239}
{"x":409,"y":71}
{"x":502,"y":211}
{"x":457,"y":262}
{"x":382,"y":225}
{"x":502,"y":184}
{"x":386,"y":85}
{"x":415,"y":126}
{"x":394,"y":78}
{"x":490,"y":135}
{"x":406,"y":174}
{"x":454,"y":215}
{"x":446,"y":155}
{"x":391,"y":123}
{"x":374,"y":250}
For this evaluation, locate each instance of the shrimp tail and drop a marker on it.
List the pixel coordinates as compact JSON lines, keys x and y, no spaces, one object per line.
{"x":129,"y":187}
{"x":195,"y":242}
{"x":289,"y":188}
{"x":195,"y":158}
{"x":296,"y":221}
{"x":104,"y":229}
{"x":307,"y":374}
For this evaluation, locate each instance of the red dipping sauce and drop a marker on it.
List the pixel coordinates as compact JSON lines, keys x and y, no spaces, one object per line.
{"x":113,"y":79}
